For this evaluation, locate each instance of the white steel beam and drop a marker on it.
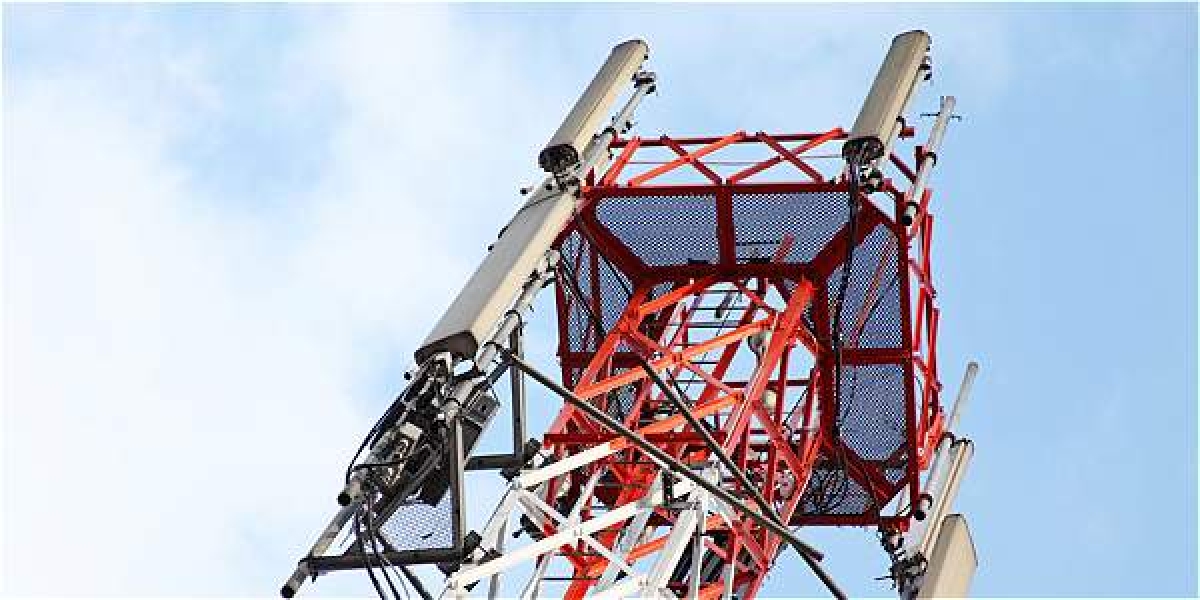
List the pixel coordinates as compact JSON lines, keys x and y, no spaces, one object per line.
{"x":544,"y":546}
{"x":630,"y":536}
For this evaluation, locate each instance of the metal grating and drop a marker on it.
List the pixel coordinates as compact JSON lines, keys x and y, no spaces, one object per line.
{"x":604,"y":289}
{"x":873,"y":284}
{"x":575,"y":252}
{"x":420,"y":526}
{"x":664,"y":230}
{"x":620,"y":401}
{"x":895,"y":474}
{"x":615,"y":289}
{"x":831,"y":492}
{"x":760,"y":222}
{"x":872,"y":410}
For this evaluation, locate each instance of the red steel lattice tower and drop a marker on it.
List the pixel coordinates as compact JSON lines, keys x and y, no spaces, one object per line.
{"x":747,"y":338}
{"x":725,"y":286}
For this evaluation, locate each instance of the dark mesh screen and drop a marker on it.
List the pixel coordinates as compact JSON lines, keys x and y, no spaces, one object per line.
{"x":421,"y":526}
{"x":830,"y":492}
{"x":871,"y":411}
{"x":872,"y":408}
{"x":620,"y":401}
{"x":676,"y":230}
{"x":871,"y":315}
{"x":760,"y":221}
{"x":896,"y":473}
{"x":593,"y":288}
{"x":664,"y":230}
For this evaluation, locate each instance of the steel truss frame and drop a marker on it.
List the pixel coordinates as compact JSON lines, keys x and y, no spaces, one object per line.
{"x":615,"y":517}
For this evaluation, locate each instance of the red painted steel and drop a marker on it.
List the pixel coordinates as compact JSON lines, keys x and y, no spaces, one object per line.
{"x":723,"y":281}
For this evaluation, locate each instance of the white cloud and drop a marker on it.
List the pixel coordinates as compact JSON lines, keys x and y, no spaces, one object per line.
{"x":149,"y":396}
{"x":181,"y":379}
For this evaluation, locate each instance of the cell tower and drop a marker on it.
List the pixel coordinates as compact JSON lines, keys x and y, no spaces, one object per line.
{"x":747,"y":338}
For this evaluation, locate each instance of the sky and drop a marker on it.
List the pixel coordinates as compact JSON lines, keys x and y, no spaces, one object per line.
{"x":227,"y":227}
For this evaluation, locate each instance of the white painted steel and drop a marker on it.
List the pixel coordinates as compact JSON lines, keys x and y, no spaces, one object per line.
{"x":630,"y":537}
{"x":945,"y":111}
{"x":481,"y":304}
{"x":697,"y":550}
{"x":490,"y":291}
{"x":952,"y":562}
{"x":568,"y":464}
{"x":890,"y":92}
{"x":964,"y":396}
{"x":961,"y":453}
{"x":566,"y":146}
{"x":571,"y":530}
{"x":681,"y":534}
{"x":936,"y":478}
{"x":625,"y":588}
{"x":494,"y":581}
{"x":544,"y":546}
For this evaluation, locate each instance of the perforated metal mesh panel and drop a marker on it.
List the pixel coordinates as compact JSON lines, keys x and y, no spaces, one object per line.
{"x":896,"y":473}
{"x":576,"y":277}
{"x":421,"y":526}
{"x":620,"y":401}
{"x":831,"y":492}
{"x":664,"y":230}
{"x":602,"y":287}
{"x":661,"y":289}
{"x":873,"y":285}
{"x":615,"y":289}
{"x":677,"y":230}
{"x":872,"y":409}
{"x":760,"y":222}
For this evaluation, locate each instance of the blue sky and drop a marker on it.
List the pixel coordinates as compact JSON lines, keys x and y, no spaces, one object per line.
{"x":225,"y":228}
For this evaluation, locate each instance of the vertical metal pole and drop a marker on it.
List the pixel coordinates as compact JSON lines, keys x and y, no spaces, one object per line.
{"x":457,"y":474}
{"x":324,"y":541}
{"x":928,"y":160}
{"x":494,"y":582}
{"x":962,"y":450}
{"x":516,"y":345}
{"x":697,"y":549}
{"x":964,"y":394}
{"x":943,"y":463}
{"x":936,"y":470}
{"x":534,"y":586}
